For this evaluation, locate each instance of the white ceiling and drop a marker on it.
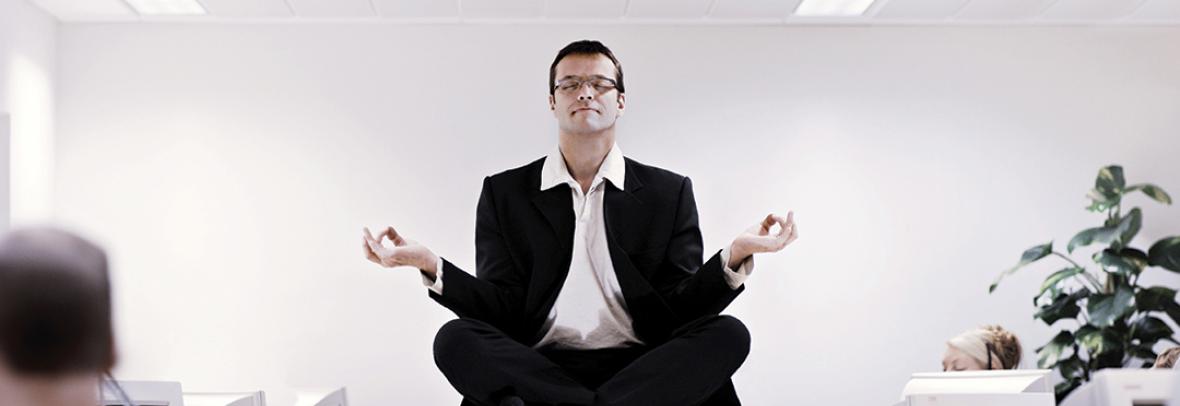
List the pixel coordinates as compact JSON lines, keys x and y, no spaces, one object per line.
{"x":643,"y":11}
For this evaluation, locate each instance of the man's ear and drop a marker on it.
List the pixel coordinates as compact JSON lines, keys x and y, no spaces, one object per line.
{"x":552,"y":103}
{"x":622,"y":102}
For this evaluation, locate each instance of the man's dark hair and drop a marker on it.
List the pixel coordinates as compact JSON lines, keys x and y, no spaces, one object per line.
{"x":55,"y":304}
{"x":585,"y":47}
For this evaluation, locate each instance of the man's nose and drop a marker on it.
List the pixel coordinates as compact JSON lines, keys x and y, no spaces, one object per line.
{"x":585,"y":92}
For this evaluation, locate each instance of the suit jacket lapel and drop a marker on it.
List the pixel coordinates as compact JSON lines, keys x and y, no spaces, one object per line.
{"x":624,"y":211}
{"x":556,"y":205}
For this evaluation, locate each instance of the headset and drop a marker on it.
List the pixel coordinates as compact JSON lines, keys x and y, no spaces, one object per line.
{"x":990,"y":350}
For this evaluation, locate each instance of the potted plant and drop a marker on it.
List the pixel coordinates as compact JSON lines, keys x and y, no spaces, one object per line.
{"x":1111,"y":320}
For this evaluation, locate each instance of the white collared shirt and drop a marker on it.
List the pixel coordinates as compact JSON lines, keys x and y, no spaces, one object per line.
{"x":590,"y":311}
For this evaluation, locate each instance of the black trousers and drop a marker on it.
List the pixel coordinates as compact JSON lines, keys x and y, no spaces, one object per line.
{"x":692,"y":368}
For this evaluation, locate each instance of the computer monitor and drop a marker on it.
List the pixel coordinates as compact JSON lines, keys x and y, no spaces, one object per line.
{"x":979,"y":388}
{"x":993,"y":381}
{"x":225,"y":398}
{"x":142,"y":393}
{"x":331,"y":397}
{"x":1125,"y":387}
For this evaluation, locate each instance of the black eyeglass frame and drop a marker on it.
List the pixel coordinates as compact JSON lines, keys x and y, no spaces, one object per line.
{"x":571,"y":84}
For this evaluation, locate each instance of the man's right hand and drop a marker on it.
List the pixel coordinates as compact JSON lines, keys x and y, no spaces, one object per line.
{"x":404,"y":252}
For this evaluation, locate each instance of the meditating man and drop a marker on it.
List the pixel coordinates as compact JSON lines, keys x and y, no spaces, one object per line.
{"x":589,"y":286}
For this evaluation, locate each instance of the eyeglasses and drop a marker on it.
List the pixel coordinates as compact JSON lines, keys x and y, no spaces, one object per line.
{"x":599,"y":84}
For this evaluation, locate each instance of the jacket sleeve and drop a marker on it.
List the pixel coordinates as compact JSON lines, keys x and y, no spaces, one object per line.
{"x":691,"y":288}
{"x":495,"y":294}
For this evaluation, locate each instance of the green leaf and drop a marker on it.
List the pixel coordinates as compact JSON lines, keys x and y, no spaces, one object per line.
{"x":1110,"y":179}
{"x":1097,"y":207}
{"x":1102,"y":235}
{"x":1029,"y":256}
{"x":1165,"y":253}
{"x":1165,"y":302}
{"x":1115,"y":263}
{"x":1155,"y":298}
{"x":1135,"y":257}
{"x":1048,"y":355}
{"x":1072,"y":367}
{"x":1112,"y":358}
{"x":1149,"y":329}
{"x":1173,"y":311}
{"x":1105,"y":309}
{"x":1063,"y":307}
{"x":1051,"y":283}
{"x":1129,"y":226}
{"x":1097,"y":341}
{"x":1120,"y":233}
{"x":1102,"y":201}
{"x":1153,"y":191}
{"x":1143,"y":351}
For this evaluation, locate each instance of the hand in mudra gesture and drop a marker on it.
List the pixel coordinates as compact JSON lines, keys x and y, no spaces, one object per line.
{"x":758,"y":239}
{"x":400,"y":251}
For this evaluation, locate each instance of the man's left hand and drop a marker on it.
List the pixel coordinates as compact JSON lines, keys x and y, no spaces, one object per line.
{"x":757,"y":239}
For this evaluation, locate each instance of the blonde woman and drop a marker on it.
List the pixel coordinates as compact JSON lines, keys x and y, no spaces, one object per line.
{"x":984,"y":348}
{"x":1167,"y":359}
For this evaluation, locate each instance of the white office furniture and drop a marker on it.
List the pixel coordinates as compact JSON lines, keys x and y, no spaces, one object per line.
{"x":1125,"y":387}
{"x":143,"y":393}
{"x":979,"y":388}
{"x":1175,"y":401}
{"x":332,"y":397}
{"x":225,"y":399}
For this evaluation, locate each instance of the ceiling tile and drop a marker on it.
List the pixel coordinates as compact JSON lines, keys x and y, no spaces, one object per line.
{"x":704,"y":11}
{"x":920,"y":9}
{"x":247,"y":8}
{"x":588,"y":9}
{"x":1157,"y":10}
{"x":332,"y":8}
{"x":753,"y":9}
{"x":70,"y":9}
{"x":668,"y":9}
{"x":417,"y":8}
{"x":502,"y":8}
{"x":1090,"y":10}
{"x":1014,"y":10}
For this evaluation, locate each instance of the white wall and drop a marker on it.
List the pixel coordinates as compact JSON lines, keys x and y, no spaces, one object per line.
{"x":5,"y":193}
{"x":230,"y":168}
{"x":27,"y":64}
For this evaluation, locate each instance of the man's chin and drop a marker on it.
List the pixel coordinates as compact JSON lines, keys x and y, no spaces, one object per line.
{"x":586,"y":129}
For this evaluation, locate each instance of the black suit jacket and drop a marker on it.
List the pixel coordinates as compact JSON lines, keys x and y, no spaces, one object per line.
{"x":524,"y":239}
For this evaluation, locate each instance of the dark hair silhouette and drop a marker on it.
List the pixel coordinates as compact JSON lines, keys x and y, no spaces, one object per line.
{"x":55,"y":304}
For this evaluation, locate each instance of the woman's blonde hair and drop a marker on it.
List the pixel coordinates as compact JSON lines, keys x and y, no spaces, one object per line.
{"x":1167,"y":359}
{"x":992,"y":346}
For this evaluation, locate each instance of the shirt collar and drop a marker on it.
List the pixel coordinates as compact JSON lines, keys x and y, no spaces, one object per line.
{"x":554,"y":171}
